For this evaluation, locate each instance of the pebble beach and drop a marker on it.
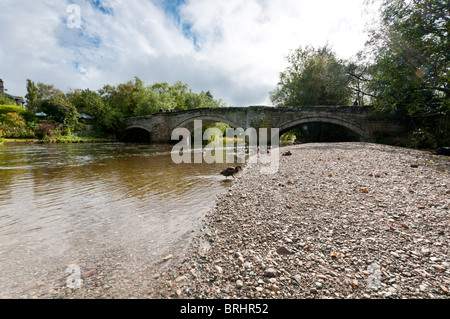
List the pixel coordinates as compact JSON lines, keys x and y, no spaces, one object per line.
{"x":337,"y":220}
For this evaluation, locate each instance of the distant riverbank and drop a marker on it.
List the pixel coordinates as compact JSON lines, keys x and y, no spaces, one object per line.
{"x":62,"y":139}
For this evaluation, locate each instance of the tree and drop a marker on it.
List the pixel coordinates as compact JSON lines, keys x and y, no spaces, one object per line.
{"x":32,"y":96}
{"x":40,"y":92}
{"x":313,"y":77}
{"x":121,"y":97}
{"x":410,"y":73}
{"x":59,"y":110}
{"x":89,"y":102}
{"x":178,"y":96}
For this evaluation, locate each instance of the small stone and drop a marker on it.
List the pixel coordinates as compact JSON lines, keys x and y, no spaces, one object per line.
{"x":181,"y":279}
{"x":88,"y":273}
{"x":438,"y":267}
{"x":274,"y":288}
{"x":239,"y":284}
{"x":270,"y":272}
{"x":284,"y":251}
{"x":218,"y":269}
{"x":319,"y":284}
{"x":297,"y":279}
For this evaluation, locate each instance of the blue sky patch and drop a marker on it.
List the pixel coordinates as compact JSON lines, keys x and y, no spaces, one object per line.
{"x":99,"y":5}
{"x":172,"y":10}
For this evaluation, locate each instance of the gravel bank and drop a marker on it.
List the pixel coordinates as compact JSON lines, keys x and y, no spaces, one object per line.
{"x":345,"y":220}
{"x":338,"y":221}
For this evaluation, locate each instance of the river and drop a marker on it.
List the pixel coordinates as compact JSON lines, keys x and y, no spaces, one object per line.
{"x":89,"y":205}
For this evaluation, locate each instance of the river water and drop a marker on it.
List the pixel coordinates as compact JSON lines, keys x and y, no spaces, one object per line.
{"x":88,"y":205}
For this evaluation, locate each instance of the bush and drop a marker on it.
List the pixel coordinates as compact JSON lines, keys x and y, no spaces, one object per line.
{"x":45,"y":130}
{"x":422,"y":139}
{"x":16,"y":132}
{"x":13,"y":119}
{"x":4,"y":109}
{"x":47,"y":139}
{"x":13,"y":126}
{"x":6,"y":100}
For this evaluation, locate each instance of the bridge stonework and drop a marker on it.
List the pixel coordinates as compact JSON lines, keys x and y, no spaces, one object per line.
{"x":361,"y":120}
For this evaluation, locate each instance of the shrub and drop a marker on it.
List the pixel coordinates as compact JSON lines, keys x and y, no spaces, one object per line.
{"x":4,"y":109}
{"x":47,"y":139}
{"x":45,"y":130}
{"x":6,"y":100}
{"x":13,"y":119}
{"x":422,"y":139}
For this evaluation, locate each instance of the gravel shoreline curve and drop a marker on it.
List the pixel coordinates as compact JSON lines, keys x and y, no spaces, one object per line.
{"x":338,"y":220}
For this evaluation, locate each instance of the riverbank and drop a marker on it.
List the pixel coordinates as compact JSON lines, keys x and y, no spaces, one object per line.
{"x":60,"y":139}
{"x":344,"y":220}
{"x":338,"y":221}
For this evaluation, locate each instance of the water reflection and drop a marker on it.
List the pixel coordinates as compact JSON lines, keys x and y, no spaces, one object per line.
{"x":62,"y":203}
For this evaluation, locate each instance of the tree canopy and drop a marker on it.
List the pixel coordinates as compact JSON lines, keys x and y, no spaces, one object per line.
{"x":403,"y":70}
{"x":313,"y":77}
{"x":411,"y":52}
{"x":111,"y":104}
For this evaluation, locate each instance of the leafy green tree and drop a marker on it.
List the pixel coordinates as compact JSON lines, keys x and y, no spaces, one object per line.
{"x":59,"y":110}
{"x":410,"y":73}
{"x":313,"y":77}
{"x":41,"y":91}
{"x":32,"y":96}
{"x":121,"y":97}
{"x":162,"y":96}
{"x":88,"y":102}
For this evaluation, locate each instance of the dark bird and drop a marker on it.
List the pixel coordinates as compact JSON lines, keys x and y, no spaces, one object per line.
{"x":230,"y":171}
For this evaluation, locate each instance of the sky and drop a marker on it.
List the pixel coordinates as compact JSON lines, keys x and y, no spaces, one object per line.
{"x":236,"y":49}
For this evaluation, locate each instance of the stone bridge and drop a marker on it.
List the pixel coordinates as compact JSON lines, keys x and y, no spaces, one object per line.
{"x":361,"y":120}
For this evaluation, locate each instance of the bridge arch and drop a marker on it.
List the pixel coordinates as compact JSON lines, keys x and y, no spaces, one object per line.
{"x":206,"y":119}
{"x":364,"y":134}
{"x":136,"y":133}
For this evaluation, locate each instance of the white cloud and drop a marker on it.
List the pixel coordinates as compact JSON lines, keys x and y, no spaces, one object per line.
{"x":233,"y":48}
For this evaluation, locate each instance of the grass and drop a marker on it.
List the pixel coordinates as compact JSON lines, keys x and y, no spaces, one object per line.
{"x":77,"y":139}
{"x":57,"y":139}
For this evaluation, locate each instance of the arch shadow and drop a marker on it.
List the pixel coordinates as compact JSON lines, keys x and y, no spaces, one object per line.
{"x":136,"y":134}
{"x":364,"y":134}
